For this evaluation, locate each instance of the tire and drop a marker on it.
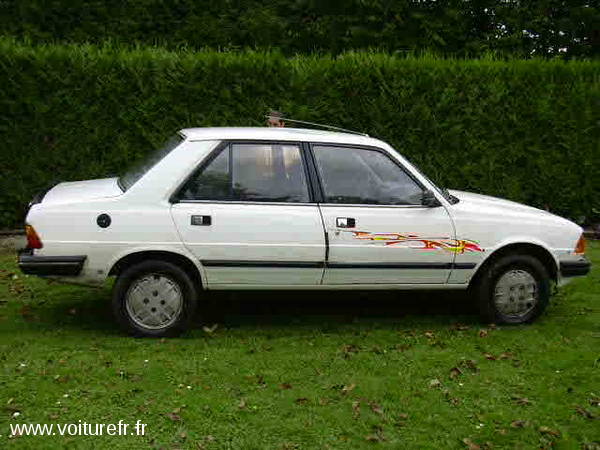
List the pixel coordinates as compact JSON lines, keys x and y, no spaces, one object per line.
{"x":154,"y":299}
{"x":507,"y":284}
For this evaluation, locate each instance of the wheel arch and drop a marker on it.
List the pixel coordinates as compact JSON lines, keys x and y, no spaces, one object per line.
{"x":163,"y":255}
{"x":524,"y":248}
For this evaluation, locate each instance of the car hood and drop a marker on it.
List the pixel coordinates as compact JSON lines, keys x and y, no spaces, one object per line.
{"x":76,"y":191}
{"x":504,"y":208}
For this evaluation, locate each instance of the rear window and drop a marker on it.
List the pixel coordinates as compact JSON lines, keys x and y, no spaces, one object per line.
{"x":143,"y":165}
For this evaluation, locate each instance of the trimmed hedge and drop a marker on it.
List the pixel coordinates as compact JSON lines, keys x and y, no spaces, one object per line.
{"x":524,"y":130}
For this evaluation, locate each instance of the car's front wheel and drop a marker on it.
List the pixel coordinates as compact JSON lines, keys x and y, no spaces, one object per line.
{"x":155,"y":299}
{"x":513,"y":289}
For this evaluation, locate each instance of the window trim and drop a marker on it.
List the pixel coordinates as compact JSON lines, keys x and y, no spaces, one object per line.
{"x":360,"y":147}
{"x":222,"y":146}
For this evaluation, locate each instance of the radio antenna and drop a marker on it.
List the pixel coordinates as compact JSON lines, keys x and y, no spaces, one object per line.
{"x":313,"y":124}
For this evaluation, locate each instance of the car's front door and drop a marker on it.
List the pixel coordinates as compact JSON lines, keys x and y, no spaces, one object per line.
{"x":378,"y":230}
{"x":247,"y":215}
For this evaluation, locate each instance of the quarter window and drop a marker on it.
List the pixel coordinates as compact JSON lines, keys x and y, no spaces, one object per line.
{"x":362,"y":176}
{"x":251,"y":172}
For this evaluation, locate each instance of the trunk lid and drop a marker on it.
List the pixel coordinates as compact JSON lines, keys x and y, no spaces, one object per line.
{"x":77,"y":191}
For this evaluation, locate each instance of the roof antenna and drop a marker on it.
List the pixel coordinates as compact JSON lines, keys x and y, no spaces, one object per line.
{"x":276,"y":119}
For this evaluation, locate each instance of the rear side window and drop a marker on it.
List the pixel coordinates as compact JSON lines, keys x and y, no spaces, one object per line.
{"x":363,"y":176}
{"x":251,"y":172}
{"x":143,"y":165}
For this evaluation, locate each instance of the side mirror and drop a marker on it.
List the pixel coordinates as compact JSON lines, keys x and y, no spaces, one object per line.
{"x":430,"y":200}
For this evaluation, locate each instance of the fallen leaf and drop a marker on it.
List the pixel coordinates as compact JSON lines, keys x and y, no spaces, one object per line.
{"x":519,"y":423}
{"x":490,"y":356}
{"x":174,"y":417}
{"x":506,"y":355}
{"x":210,"y":330}
{"x":521,"y":401}
{"x":349,"y":388}
{"x":377,"y":435}
{"x":455,"y":372}
{"x":402,"y":416}
{"x":242,"y":404}
{"x":584,"y":412}
{"x":347,"y":350}
{"x":551,"y":432}
{"x":590,"y":446}
{"x":429,"y":334}
{"x":301,"y":401}
{"x":355,"y":409}
{"x":376,"y":408}
{"x":470,"y":364}
{"x":460,"y":327}
{"x":435,"y":383}
{"x":470,"y":444}
{"x":483,"y":333}
{"x":285,"y":386}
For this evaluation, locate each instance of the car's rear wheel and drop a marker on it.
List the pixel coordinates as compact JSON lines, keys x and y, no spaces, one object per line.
{"x":155,"y":299}
{"x":513,"y":289}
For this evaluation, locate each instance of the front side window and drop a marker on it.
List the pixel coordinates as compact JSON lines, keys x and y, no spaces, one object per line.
{"x":363,"y":176}
{"x":251,"y":172}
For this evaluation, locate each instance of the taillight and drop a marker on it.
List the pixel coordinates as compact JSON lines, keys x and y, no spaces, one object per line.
{"x":580,"y":247}
{"x":33,"y":240}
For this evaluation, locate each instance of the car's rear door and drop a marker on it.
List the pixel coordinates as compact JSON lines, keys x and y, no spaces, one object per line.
{"x":247,"y":214}
{"x":378,"y":230}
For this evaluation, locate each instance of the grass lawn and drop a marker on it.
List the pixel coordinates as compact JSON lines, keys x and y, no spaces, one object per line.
{"x":378,"y":377}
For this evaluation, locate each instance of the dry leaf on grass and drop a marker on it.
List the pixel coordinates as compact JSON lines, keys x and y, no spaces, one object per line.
{"x":470,"y":444}
{"x":584,"y":413}
{"x":549,"y":431}
{"x":348,"y":388}
{"x":519,"y":423}
{"x":435,"y":383}
{"x":455,"y":372}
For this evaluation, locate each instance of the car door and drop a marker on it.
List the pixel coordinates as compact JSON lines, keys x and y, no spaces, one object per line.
{"x":378,"y":230}
{"x":247,"y":215}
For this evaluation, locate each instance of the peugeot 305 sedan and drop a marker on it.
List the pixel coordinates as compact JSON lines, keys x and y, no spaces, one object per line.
{"x":285,"y":208}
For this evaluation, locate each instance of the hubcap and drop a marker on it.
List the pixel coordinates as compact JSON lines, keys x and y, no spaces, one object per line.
{"x":516,"y":293}
{"x":154,"y":301}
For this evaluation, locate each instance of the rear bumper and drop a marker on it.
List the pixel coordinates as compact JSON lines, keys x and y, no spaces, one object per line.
{"x":50,"y":265}
{"x":575,"y":268}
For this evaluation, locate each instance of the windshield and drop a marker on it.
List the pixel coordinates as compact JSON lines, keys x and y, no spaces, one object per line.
{"x":143,"y":165}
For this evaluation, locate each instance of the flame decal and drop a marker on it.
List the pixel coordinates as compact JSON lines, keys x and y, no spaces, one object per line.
{"x":445,"y":243}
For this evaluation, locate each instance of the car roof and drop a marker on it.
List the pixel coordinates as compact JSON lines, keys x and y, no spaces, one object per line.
{"x":278,"y":134}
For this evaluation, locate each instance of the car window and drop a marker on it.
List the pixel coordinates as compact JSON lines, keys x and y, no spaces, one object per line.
{"x":362,"y":176}
{"x":251,"y":172}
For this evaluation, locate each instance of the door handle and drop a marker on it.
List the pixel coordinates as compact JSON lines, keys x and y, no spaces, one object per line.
{"x":345,"y":222}
{"x":201,"y":220}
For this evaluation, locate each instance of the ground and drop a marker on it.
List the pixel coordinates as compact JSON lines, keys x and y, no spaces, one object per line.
{"x":295,"y":370}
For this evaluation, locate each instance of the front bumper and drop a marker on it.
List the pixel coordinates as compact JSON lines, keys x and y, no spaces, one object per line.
{"x":50,"y":265}
{"x":575,"y":268}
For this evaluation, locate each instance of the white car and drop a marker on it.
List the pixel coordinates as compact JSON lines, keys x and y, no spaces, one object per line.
{"x":285,"y":208}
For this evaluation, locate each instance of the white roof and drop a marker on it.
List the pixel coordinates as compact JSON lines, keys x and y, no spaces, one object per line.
{"x":278,"y":134}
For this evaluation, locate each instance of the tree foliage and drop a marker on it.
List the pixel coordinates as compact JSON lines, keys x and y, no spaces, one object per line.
{"x":520,"y":28}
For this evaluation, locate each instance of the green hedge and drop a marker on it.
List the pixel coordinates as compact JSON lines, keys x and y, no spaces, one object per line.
{"x":524,"y":130}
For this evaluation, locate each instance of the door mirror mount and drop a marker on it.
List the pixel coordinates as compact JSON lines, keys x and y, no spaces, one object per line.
{"x":429,"y":199}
